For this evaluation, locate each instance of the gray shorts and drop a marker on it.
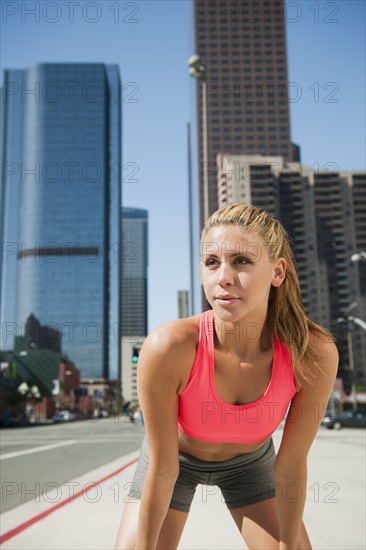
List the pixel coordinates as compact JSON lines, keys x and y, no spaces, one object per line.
{"x":243,"y":480}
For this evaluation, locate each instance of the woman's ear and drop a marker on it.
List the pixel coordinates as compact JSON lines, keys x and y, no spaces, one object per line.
{"x":279,"y":272}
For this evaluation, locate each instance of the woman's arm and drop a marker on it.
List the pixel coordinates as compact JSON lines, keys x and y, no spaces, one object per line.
{"x":302,"y":423}
{"x":163,"y":359}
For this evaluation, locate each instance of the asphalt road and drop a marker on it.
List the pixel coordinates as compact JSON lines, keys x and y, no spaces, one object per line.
{"x":72,"y":449}
{"x":334,"y":513}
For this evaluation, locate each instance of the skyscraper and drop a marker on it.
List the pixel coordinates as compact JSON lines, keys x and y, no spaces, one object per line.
{"x":61,"y":201}
{"x":285,"y":190}
{"x":134,"y":295}
{"x":134,"y":271}
{"x":323,"y":213}
{"x":10,"y":184}
{"x":243,"y":46}
{"x":249,"y":179}
{"x":357,"y":181}
{"x":340,"y":232}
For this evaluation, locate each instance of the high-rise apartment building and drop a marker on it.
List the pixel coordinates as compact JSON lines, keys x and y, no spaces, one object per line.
{"x":324,"y":214}
{"x":61,"y":201}
{"x":243,"y":46}
{"x":337,"y":206}
{"x":295,"y":190}
{"x":283,"y":189}
{"x":134,"y":271}
{"x":250,"y":179}
{"x":357,"y":181}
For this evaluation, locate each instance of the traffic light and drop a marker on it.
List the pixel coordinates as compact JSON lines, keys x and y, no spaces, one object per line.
{"x":135,"y":354}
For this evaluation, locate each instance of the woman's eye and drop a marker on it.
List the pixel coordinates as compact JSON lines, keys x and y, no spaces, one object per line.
{"x":242,"y":260}
{"x":210,"y":262}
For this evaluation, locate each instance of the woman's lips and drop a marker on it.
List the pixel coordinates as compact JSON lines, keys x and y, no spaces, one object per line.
{"x":227,"y":300}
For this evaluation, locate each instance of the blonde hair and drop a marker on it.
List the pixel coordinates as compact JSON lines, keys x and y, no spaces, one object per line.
{"x":286,"y":315}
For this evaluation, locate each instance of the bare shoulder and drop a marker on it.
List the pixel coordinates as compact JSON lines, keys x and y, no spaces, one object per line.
{"x":181,"y":332}
{"x":324,"y":347}
{"x":169,"y":351}
{"x":175,"y":337}
{"x":326,"y":356}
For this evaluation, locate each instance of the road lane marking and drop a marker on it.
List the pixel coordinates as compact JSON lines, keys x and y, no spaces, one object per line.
{"x":13,"y":532}
{"x":48,"y":441}
{"x":26,"y":443}
{"x":37,"y":449}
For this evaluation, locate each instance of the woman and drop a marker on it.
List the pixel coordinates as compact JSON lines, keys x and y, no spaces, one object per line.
{"x":214,"y":387}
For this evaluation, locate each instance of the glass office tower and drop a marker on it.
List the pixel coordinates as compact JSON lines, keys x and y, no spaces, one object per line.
{"x":243,"y":46}
{"x":134,"y":271}
{"x":68,"y":264}
{"x":12,"y":117}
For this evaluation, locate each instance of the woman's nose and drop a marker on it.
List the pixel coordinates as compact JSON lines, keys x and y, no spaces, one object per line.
{"x":225,"y":275}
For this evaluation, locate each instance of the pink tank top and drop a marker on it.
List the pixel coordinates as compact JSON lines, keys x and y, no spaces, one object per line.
{"x":203,"y":415}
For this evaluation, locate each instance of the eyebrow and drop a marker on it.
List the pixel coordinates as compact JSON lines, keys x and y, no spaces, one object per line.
{"x":233,"y":254}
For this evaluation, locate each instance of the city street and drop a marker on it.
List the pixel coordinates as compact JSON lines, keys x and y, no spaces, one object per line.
{"x":84,"y":483}
{"x":74,"y":449}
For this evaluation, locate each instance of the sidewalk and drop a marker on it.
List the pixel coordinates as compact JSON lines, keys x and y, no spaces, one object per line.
{"x":334,"y":515}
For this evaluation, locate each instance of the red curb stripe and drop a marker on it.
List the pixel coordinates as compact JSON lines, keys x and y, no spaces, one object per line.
{"x":42,"y":515}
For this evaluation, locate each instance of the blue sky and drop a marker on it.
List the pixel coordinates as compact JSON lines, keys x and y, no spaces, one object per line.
{"x":151,"y":42}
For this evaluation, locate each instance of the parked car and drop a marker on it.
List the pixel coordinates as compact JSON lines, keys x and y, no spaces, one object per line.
{"x":13,"y":419}
{"x":350,"y":419}
{"x":64,"y":416}
{"x":58,"y":418}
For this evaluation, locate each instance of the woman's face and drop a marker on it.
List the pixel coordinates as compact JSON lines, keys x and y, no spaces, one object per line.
{"x":237,"y":273}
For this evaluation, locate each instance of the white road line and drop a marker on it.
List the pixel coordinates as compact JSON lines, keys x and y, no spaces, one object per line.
{"x":87,"y":440}
{"x":37,"y":449}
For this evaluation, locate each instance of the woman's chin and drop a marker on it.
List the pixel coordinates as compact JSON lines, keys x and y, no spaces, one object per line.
{"x":226,"y":314}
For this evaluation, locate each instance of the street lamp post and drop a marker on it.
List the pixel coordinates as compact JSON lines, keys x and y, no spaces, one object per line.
{"x":350,"y":321}
{"x":351,"y":365}
{"x":197,"y":69}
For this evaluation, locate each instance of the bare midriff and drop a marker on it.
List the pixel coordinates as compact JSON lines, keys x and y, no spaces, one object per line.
{"x":214,"y":451}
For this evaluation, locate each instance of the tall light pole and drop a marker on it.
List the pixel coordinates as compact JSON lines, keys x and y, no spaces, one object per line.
{"x":197,"y":69}
{"x":190,"y":221}
{"x":350,"y":321}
